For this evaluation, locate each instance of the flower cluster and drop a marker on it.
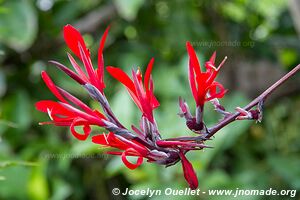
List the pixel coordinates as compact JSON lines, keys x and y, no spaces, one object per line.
{"x":204,"y":88}
{"x":145,"y":141}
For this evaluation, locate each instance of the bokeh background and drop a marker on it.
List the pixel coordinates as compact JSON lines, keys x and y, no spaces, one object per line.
{"x":260,"y":38}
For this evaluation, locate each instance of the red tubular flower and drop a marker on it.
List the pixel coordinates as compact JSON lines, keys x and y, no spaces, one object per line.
{"x":76,"y":43}
{"x":64,"y":114}
{"x":145,"y":142}
{"x":202,"y":84}
{"x":142,"y":94}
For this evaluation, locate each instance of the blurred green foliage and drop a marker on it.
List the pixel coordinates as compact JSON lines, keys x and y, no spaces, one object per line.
{"x":245,"y":155}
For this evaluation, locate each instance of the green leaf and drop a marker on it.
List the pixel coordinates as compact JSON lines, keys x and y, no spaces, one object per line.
{"x":18,"y":24}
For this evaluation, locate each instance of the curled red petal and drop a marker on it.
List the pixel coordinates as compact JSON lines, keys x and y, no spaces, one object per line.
{"x":129,"y":164}
{"x":213,"y":93}
{"x":188,"y":171}
{"x":86,"y":129}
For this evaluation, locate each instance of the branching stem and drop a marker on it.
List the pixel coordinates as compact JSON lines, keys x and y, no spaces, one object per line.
{"x":232,"y":117}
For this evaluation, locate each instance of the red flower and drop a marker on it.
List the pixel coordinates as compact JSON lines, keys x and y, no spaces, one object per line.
{"x":142,"y":94}
{"x":202,"y":84}
{"x":142,"y":143}
{"x":76,"y":43}
{"x":64,"y":114}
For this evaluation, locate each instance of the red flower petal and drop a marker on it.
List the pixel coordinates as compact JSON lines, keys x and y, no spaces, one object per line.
{"x":145,"y":103}
{"x":100,"y":139}
{"x":145,"y":100}
{"x":100,"y":71}
{"x":76,"y":101}
{"x":212,"y":89}
{"x":77,"y":68}
{"x":54,"y":107}
{"x":88,"y":66}
{"x":148,"y":74}
{"x":117,"y":153}
{"x":142,"y":150}
{"x":59,"y":115}
{"x":129,"y":164}
{"x":154,"y":102}
{"x":109,"y":140}
{"x":88,"y":117}
{"x":188,"y":171}
{"x":193,"y":82}
{"x":193,"y":57}
{"x":52,"y":86}
{"x":213,"y":58}
{"x":68,"y":72}
{"x":72,"y":38}
{"x":122,"y":77}
{"x":86,"y":128}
